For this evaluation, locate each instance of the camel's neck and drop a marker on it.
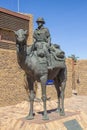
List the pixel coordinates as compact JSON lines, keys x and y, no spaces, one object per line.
{"x":21,"y":54}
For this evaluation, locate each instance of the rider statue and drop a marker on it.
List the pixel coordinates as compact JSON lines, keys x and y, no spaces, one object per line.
{"x":42,"y":35}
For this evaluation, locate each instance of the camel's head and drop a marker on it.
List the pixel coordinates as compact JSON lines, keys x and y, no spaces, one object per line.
{"x":21,"y":36}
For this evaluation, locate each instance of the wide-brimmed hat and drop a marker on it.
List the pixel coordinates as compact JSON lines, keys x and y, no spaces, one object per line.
{"x":40,"y":20}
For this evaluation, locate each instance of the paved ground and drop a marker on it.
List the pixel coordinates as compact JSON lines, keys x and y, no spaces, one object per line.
{"x":77,"y":103}
{"x":10,"y":115}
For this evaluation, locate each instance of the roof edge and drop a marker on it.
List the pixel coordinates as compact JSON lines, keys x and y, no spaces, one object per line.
{"x":20,"y":15}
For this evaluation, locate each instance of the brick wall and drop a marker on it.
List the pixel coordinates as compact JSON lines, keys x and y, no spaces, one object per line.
{"x":81,"y":77}
{"x":68,"y":91}
{"x":12,"y":88}
{"x":11,"y":21}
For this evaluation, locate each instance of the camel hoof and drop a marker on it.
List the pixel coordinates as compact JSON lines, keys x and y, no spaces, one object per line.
{"x":62,"y":114}
{"x":37,"y":100}
{"x":29,"y":117}
{"x":45,"y":118}
{"x":58,"y":110}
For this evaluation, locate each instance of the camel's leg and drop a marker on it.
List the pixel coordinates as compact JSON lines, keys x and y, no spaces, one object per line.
{"x":32,"y":96}
{"x":62,"y":113}
{"x":63,"y":85}
{"x":57,"y":86}
{"x":44,"y":98}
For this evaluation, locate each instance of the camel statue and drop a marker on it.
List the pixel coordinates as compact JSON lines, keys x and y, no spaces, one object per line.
{"x":35,"y":66}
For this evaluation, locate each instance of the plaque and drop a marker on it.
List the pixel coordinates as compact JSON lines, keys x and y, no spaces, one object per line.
{"x":72,"y":125}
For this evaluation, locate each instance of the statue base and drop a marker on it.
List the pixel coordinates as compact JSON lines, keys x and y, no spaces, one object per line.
{"x":13,"y":118}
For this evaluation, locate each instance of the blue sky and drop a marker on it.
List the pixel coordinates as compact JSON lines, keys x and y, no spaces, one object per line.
{"x":66,"y":20}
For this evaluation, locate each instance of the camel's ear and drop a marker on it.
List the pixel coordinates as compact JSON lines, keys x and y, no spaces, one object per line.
{"x":15,"y":32}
